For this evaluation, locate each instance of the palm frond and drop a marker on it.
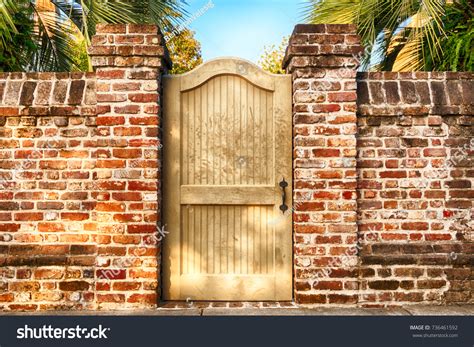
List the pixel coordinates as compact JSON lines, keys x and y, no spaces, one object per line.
{"x":332,"y":11}
{"x":103,"y":11}
{"x":388,"y":28}
{"x":53,"y":36}
{"x":7,"y":25}
{"x":431,"y":26}
{"x":166,"y":13}
{"x":54,"y":41}
{"x":71,"y":10}
{"x":409,"y":55}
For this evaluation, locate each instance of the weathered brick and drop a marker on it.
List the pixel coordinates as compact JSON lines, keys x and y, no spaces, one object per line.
{"x":28,"y":286}
{"x":76,"y":92}
{"x":74,"y":286}
{"x":408,"y":90}
{"x":59,"y":92}
{"x":384,"y":285}
{"x":392,"y":93}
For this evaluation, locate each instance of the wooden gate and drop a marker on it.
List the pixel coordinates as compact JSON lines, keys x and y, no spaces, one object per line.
{"x":227,"y":184}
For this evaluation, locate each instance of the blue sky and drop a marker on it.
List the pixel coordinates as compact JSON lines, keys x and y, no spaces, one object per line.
{"x":242,"y":28}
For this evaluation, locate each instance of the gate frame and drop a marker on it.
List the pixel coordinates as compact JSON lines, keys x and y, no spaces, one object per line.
{"x":175,"y":84}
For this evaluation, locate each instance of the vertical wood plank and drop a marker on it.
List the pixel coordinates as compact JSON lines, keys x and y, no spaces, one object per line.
{"x":238,"y":108}
{"x":205,"y":241}
{"x":185,"y":136}
{"x":205,"y":134}
{"x":237,"y":227}
{"x":211,"y":124}
{"x":250,"y":240}
{"x":233,"y":238}
{"x":185,"y":242}
{"x":245,"y":240}
{"x":210,"y":228}
{"x":192,"y":137}
{"x":270,"y":141}
{"x":258,"y":137}
{"x":218,"y":132}
{"x":224,"y":229}
{"x":198,"y":137}
{"x":218,"y":240}
{"x":251,"y":136}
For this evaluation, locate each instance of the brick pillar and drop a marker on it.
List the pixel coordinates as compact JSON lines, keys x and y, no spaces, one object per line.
{"x":323,"y":60}
{"x":129,"y":61}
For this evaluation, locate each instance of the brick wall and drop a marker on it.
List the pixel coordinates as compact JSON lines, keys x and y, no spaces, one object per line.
{"x":79,"y":176}
{"x":128,"y":61}
{"x":411,"y":183}
{"x":383,"y":172}
{"x":415,"y":188}
{"x":323,"y":61}
{"x":47,"y":197}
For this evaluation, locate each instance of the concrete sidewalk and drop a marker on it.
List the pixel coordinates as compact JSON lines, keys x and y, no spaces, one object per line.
{"x":291,"y":310}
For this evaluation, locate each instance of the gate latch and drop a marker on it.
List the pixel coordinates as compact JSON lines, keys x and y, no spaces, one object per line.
{"x":283,"y":185}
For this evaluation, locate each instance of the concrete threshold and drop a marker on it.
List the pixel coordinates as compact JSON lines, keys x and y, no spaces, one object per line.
{"x":411,"y":310}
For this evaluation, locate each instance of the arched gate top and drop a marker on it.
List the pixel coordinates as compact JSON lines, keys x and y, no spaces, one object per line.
{"x":227,"y":66}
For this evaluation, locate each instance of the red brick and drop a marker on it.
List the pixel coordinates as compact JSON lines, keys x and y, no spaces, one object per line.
{"x":112,"y":298}
{"x":127,"y":153}
{"x":111,"y":74}
{"x":142,"y":186}
{"x":110,"y":121}
{"x":393,"y":174}
{"x":326,"y":152}
{"x":126,"y":286}
{"x":434,"y":152}
{"x":138,"y":273}
{"x":110,"y":207}
{"x":28,"y":216}
{"x":125,"y":131}
{"x":51,"y":227}
{"x":149,"y":299}
{"x":153,"y":120}
{"x":48,"y":274}
{"x":311,"y":298}
{"x":110,"y":164}
{"x":342,"y":97}
{"x":74,"y":216}
{"x":415,"y":226}
{"x":143,"y":98}
{"x":127,"y":196}
{"x":329,"y":285}
{"x":141,"y":228}
{"x":9,"y":227}
{"x":111,"y":274}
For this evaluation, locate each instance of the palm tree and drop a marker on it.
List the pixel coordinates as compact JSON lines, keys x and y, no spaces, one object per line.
{"x":403,"y":35}
{"x":49,"y":35}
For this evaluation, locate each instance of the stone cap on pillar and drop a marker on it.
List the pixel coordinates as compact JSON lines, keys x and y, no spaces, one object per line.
{"x":323,"y":45}
{"x":129,"y":45}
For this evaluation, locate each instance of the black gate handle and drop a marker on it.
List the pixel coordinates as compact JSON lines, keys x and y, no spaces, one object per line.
{"x":283,"y":185}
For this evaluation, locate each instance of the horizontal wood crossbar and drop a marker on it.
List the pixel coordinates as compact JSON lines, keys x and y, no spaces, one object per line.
{"x":227,"y":195}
